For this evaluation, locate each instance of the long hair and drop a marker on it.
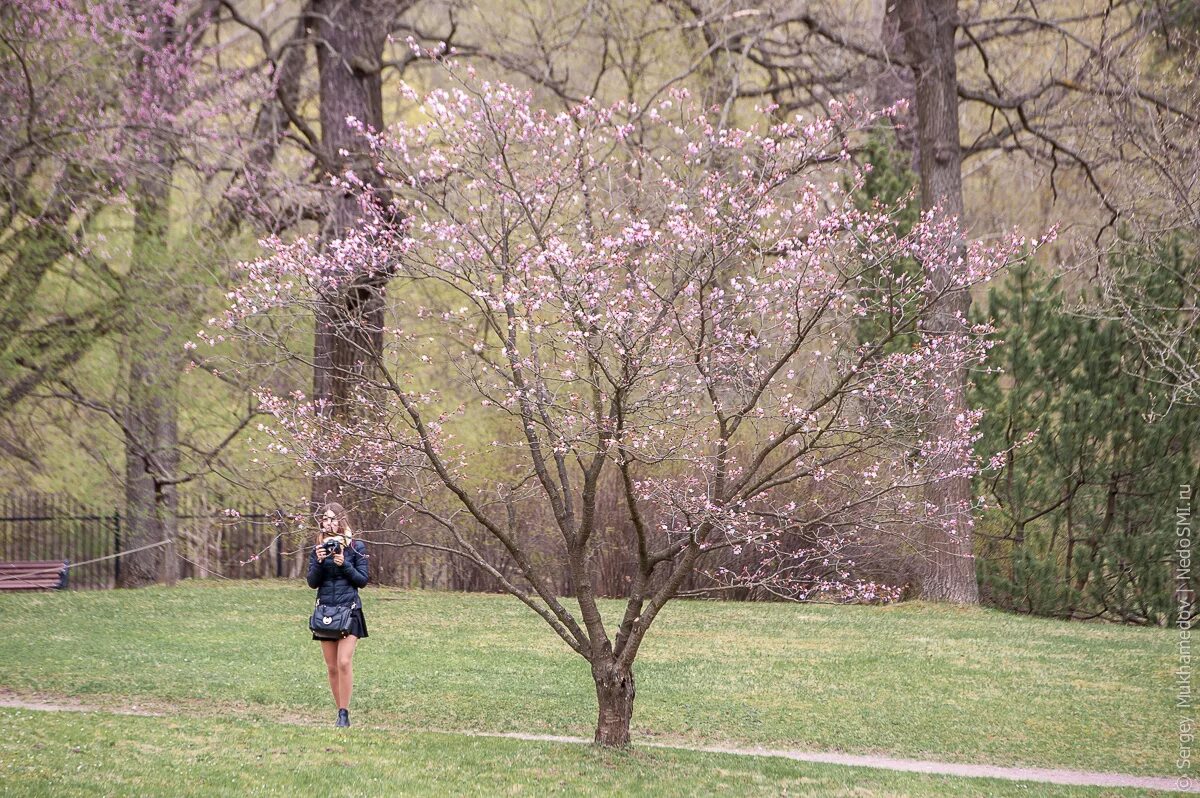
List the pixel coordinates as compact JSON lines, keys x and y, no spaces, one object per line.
{"x":342,"y":517}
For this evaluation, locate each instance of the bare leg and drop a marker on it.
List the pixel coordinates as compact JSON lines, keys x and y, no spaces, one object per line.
{"x":330,"y":649}
{"x":345,"y":669}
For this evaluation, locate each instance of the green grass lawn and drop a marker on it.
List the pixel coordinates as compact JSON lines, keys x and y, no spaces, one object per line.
{"x":912,"y":680}
{"x":69,"y":754}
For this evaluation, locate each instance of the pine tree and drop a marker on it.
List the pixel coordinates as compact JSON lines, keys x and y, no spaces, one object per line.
{"x":1083,"y":517}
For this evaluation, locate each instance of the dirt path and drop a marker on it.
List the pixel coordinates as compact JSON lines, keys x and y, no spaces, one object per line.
{"x":1045,"y":775}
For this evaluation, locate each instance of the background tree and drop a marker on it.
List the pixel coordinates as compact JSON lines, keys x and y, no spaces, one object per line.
{"x":928,"y":29}
{"x":1164,"y":325}
{"x":174,"y":90}
{"x":352,"y":41}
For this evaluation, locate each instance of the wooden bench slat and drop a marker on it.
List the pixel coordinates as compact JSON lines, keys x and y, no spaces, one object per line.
{"x":34,"y":575}
{"x":19,"y":584}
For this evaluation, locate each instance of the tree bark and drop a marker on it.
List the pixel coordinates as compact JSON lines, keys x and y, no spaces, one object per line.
{"x":150,"y":416}
{"x":614,"y":698}
{"x":928,"y":28}
{"x":350,"y":37}
{"x":151,"y":452}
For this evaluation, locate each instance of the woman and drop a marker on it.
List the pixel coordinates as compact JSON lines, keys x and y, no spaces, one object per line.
{"x":337,"y":577}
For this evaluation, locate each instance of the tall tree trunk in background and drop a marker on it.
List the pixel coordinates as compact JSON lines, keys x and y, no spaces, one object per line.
{"x":151,"y":411}
{"x":159,"y":302}
{"x":350,"y":37}
{"x":928,"y":28}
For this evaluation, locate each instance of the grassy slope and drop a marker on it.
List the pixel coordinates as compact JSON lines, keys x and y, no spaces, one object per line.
{"x":914,"y":680}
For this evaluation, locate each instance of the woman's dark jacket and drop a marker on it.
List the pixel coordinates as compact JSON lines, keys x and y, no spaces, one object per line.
{"x":339,"y":584}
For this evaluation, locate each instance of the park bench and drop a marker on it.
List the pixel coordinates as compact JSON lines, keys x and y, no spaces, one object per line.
{"x":34,"y":575}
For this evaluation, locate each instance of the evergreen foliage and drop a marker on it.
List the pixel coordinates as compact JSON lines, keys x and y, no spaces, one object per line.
{"x":1083,"y":519}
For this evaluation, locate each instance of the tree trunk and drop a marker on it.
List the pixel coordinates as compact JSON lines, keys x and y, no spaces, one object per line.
{"x":614,"y":698}
{"x":350,"y":39}
{"x":151,"y":449}
{"x":928,"y":28}
{"x":150,"y":416}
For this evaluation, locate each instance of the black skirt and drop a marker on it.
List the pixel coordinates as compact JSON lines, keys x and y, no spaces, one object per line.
{"x":358,"y":625}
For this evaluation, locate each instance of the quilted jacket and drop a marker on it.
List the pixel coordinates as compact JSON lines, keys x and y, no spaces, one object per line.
{"x":339,"y":584}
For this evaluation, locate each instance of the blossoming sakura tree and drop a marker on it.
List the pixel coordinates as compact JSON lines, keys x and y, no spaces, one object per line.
{"x":638,"y":292}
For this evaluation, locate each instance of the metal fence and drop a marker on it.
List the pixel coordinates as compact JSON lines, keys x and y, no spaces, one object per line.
{"x":54,"y":527}
{"x":261,"y":542}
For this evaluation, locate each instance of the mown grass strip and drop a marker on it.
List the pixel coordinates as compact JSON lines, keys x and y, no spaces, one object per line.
{"x":87,"y":754}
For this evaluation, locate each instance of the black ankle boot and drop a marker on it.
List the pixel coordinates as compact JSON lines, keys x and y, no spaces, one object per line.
{"x":343,"y":717}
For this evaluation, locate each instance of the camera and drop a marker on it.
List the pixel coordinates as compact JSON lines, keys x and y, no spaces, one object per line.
{"x":332,"y":546}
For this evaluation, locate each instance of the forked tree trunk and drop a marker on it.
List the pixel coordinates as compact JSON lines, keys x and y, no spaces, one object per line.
{"x":614,"y":698}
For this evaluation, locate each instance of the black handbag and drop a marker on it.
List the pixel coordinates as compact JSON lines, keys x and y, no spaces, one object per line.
{"x":331,"y":621}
